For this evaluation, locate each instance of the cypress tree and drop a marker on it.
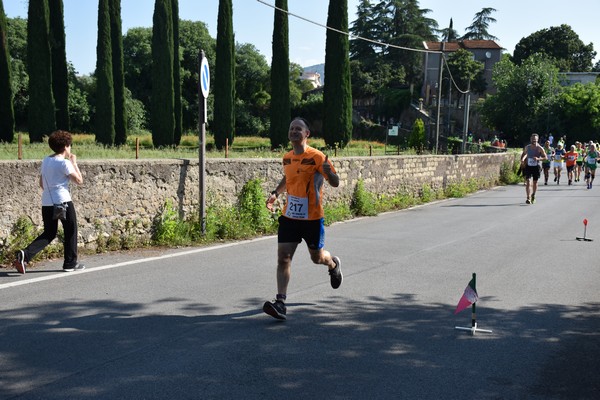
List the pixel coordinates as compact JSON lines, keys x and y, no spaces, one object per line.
{"x":7,"y":113}
{"x":224,"y":97}
{"x":116,"y":41}
{"x":163,"y":119}
{"x":105,"y":102}
{"x":60,"y":77}
{"x":177,"y":111}
{"x":337,"y":94}
{"x":280,"y":78}
{"x":41,"y":118}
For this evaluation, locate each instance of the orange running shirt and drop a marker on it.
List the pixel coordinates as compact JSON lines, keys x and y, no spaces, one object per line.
{"x":571,"y":158}
{"x":304,"y":180}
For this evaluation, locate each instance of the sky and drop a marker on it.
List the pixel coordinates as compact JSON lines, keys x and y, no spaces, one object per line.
{"x":253,"y":22}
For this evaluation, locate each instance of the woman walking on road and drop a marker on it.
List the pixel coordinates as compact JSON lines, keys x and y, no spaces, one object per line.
{"x":57,"y":171}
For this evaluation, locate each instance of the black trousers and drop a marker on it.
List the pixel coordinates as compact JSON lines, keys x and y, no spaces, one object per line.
{"x":49,"y":234}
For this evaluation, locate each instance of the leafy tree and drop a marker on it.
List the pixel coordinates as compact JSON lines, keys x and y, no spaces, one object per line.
{"x":280,"y":78}
{"x":478,"y":30}
{"x":17,"y":46}
{"x":137,"y":49}
{"x":579,"y":111}
{"x":297,"y":85}
{"x":116,"y":41}
{"x":252,"y":78}
{"x":42,"y":119}
{"x":60,"y":80}
{"x":366,"y":27}
{"x":163,"y":119}
{"x":224,"y":93}
{"x":7,"y":122}
{"x":449,"y":34}
{"x":464,"y":70}
{"x":105,"y":95}
{"x":409,"y":27}
{"x":80,"y":111}
{"x":337,"y":94}
{"x":417,"y":139}
{"x":525,"y":98}
{"x":596,"y":67}
{"x":559,"y":43}
{"x":194,"y":36}
{"x":137,"y":62}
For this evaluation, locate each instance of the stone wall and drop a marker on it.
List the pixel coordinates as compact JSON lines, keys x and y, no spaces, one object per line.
{"x":127,"y":194}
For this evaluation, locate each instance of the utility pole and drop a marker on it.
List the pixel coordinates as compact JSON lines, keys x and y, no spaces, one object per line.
{"x":439,"y":103}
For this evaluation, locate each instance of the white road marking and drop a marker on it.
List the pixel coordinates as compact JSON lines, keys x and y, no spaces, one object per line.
{"x":125,"y":263}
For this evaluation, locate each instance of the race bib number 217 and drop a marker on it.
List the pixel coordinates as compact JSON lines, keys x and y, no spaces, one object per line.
{"x":297,"y":207}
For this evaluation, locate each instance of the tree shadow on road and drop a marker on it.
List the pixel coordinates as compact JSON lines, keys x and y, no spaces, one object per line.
{"x":332,"y":348}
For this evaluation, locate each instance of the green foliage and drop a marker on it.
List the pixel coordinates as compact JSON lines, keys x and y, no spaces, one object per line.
{"x":168,"y":227}
{"x":252,"y":207}
{"x":369,"y":130}
{"x":524,"y":100}
{"x":337,"y":95}
{"x":22,"y":233}
{"x":579,"y":109}
{"x":17,"y":46}
{"x":427,"y":194}
{"x":478,"y":30}
{"x":41,"y":116}
{"x":560,"y":44}
{"x":510,"y":173}
{"x":363,"y":202}
{"x":163,"y":101}
{"x":464,"y":69}
{"x":177,"y":101}
{"x":7,"y":122}
{"x":280,"y":79}
{"x":105,"y":94}
{"x":311,"y":109}
{"x":335,"y":212}
{"x":417,"y":139}
{"x":79,"y":108}
{"x":60,"y":80}
{"x":116,"y":42}
{"x":224,"y":88}
{"x":401,"y":23}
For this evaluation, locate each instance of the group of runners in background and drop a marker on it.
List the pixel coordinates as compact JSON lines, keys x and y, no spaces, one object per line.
{"x":579,"y":158}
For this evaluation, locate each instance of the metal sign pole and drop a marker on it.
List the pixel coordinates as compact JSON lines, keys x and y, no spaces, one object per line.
{"x":203,"y":87}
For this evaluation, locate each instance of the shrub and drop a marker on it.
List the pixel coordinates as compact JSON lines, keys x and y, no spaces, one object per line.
{"x":362,"y":203}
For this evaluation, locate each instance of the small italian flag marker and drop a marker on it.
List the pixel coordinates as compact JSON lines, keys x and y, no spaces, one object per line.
{"x":468,"y":298}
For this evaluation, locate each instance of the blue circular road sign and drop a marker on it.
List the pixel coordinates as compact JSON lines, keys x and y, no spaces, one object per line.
{"x":204,"y":77}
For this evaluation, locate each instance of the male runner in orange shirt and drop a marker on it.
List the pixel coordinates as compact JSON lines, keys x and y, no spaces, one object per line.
{"x":305,"y":170}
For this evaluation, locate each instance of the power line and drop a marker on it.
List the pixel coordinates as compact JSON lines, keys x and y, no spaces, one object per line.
{"x":347,"y":33}
{"x":383,"y":44}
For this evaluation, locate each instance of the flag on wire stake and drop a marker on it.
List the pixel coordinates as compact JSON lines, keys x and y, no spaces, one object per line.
{"x":585,"y":239}
{"x":469,"y":298}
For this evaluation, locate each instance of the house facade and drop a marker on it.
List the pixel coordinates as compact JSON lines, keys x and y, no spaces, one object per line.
{"x":487,"y":52}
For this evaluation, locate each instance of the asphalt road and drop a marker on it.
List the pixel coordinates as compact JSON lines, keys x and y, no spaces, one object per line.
{"x":187,"y":323}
